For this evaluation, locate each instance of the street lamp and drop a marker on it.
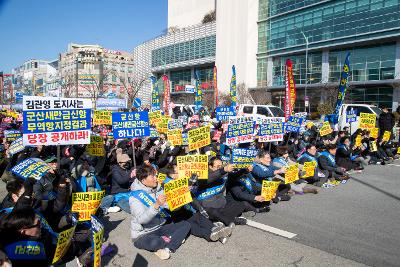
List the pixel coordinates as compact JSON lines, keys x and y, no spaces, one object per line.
{"x":305,"y":88}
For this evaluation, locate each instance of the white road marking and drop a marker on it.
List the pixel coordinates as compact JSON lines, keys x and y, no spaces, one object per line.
{"x":270,"y":229}
{"x":390,"y":164}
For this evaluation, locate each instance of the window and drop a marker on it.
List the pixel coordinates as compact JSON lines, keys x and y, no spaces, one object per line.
{"x":277,"y":112}
{"x":248,"y":109}
{"x":263,"y":111}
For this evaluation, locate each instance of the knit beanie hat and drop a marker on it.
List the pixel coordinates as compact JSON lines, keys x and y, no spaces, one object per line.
{"x":122,"y":157}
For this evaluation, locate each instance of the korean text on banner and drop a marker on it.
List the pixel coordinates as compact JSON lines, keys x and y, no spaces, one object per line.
{"x":130,"y":124}
{"x":374,"y":132}
{"x":175,"y":124}
{"x":96,"y":146}
{"x":309,"y":168}
{"x":294,"y":124}
{"x":175,"y":137}
{"x":162,"y":126}
{"x":97,"y":233}
{"x":16,"y":147}
{"x":367,"y":121}
{"x":12,"y":135}
{"x":386,"y":136}
{"x":198,"y":138}
{"x":358,"y":141}
{"x":31,"y":168}
{"x":161,"y":177}
{"x":351,"y":116}
{"x":167,"y":94}
{"x":177,"y":193}
{"x":102,"y":117}
{"x":292,"y":173}
{"x":268,"y":189}
{"x":223,"y":113}
{"x":198,"y":98}
{"x":155,"y":117}
{"x":271,"y":129}
{"x":232,"y":88}
{"x":374,"y":147}
{"x":64,"y":240}
{"x":243,"y":157}
{"x":56,"y":121}
{"x":193,"y":164}
{"x":240,"y":130}
{"x":290,"y":88}
{"x":155,"y":94}
{"x":343,"y":84}
{"x":325,"y":129}
{"x":86,"y":203}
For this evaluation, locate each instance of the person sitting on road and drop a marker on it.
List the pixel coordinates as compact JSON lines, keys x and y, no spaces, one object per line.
{"x":149,"y":215}
{"x":310,"y":155}
{"x":328,"y":166}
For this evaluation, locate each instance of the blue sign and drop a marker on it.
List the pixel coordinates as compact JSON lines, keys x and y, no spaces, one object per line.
{"x":137,"y":103}
{"x":116,"y":103}
{"x":294,"y":124}
{"x":112,"y":95}
{"x":32,"y":167}
{"x":223,"y":113}
{"x":243,"y":157}
{"x":130,"y":124}
{"x":19,"y":95}
{"x":16,"y":146}
{"x":351,"y":116}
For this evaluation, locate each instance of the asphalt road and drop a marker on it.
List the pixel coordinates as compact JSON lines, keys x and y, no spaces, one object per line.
{"x":355,"y":224}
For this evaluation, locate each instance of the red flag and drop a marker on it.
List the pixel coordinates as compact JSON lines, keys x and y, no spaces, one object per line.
{"x":215,"y":86}
{"x":290,"y":94}
{"x":167,"y":93}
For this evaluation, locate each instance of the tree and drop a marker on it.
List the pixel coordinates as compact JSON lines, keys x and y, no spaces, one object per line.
{"x":98,"y":88}
{"x":132,"y":84}
{"x":330,"y":93}
{"x":225,"y":99}
{"x":67,"y":86}
{"x":210,"y":17}
{"x":243,"y":95}
{"x":261,"y":97}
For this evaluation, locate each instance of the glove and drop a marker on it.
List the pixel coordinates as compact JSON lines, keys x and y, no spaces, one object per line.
{"x":193,"y":179}
{"x":204,"y":213}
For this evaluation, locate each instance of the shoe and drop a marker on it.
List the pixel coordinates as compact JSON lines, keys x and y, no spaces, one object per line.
{"x":226,"y":232}
{"x":107,"y":249}
{"x":86,"y":258}
{"x":223,"y":240}
{"x":284,"y":197}
{"x":220,"y":224}
{"x":231,"y":226}
{"x":276,"y":199}
{"x":383,"y":163}
{"x":249,"y":214}
{"x":263,"y":209}
{"x":163,"y":254}
{"x":215,"y":233}
{"x":113,"y":209}
{"x":220,"y":233}
{"x":240,"y":221}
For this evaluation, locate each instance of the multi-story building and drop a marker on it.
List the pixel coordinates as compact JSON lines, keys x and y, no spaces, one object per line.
{"x":30,"y":77}
{"x":93,"y":71}
{"x":317,"y":35}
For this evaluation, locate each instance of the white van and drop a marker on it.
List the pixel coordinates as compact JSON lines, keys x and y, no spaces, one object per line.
{"x":260,"y":111}
{"x":360,"y":108}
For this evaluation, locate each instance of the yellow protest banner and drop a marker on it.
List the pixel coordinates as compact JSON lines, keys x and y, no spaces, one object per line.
{"x":367,"y":121}
{"x":268,"y":189}
{"x":309,"y":168}
{"x":358,"y":141}
{"x":162,"y":125}
{"x":97,"y":233}
{"x":155,"y":117}
{"x":386,"y":136}
{"x":374,"y":147}
{"x":86,"y":203}
{"x":398,"y":150}
{"x":178,"y":193}
{"x":325,"y":129}
{"x":96,"y":146}
{"x":102,"y":117}
{"x":63,"y":242}
{"x":197,"y":164}
{"x":161,"y":177}
{"x":199,"y":137}
{"x":292,"y":173}
{"x":374,"y":132}
{"x":175,"y":137}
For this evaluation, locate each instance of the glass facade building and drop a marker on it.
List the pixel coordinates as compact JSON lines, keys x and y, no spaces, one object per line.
{"x":326,"y":30}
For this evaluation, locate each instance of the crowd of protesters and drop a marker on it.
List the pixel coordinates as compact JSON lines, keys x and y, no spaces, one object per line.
{"x":34,"y":210}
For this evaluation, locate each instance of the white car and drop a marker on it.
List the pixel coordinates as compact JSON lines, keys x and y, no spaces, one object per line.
{"x":359,"y":108}
{"x":260,"y":111}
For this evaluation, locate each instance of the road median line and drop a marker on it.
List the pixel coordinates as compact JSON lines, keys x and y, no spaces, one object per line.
{"x":270,"y":229}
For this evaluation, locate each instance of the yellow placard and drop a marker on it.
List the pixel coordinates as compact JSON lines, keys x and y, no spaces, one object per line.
{"x":63,"y":242}
{"x":86,"y":203}
{"x":374,"y":147}
{"x":292,"y":173}
{"x":358,"y":141}
{"x":386,"y":136}
{"x":177,"y":192}
{"x":197,"y":164}
{"x":268,"y":189}
{"x":175,"y":137}
{"x":374,"y":132}
{"x":102,"y":117}
{"x":309,"y":168}
{"x":96,"y":146}
{"x":325,"y":129}
{"x":162,"y":125}
{"x":199,"y":137}
{"x":367,"y":121}
{"x":161,"y":177}
{"x":398,"y":150}
{"x":155,"y":117}
{"x":98,"y":234}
